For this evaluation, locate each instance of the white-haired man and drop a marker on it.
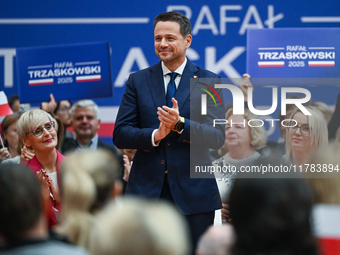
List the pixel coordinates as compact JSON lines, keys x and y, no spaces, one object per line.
{"x":85,"y":122}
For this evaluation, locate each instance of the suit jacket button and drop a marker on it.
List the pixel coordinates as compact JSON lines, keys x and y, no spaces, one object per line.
{"x":162,"y":162}
{"x":167,"y":144}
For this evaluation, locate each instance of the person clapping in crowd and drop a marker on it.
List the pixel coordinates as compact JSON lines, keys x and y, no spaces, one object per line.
{"x":36,"y":129}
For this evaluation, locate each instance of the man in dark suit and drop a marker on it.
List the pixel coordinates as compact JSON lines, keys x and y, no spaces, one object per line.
{"x":171,"y":140}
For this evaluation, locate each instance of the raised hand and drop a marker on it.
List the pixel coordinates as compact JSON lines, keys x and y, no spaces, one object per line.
{"x":226,"y":213}
{"x":127,"y":167}
{"x":49,"y":106}
{"x":245,"y":84}
{"x":169,"y":116}
{"x":4,"y":153}
{"x":26,"y":154}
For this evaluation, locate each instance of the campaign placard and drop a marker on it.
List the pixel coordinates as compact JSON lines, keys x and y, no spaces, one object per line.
{"x":308,"y":55}
{"x":75,"y":71}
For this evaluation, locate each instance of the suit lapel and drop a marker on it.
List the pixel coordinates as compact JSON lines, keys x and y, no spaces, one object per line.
{"x":156,"y":85}
{"x":184,"y":88}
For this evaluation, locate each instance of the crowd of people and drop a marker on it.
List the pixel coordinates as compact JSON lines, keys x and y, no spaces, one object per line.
{"x":64,"y":191}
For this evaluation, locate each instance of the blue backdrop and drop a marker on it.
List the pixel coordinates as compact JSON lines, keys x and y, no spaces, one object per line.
{"x":218,"y":29}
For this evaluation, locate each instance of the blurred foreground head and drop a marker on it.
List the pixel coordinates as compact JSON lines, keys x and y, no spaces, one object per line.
{"x":21,"y":202}
{"x":139,"y":228}
{"x":217,"y":240}
{"x":89,"y":180}
{"x":272,"y":216}
{"x":326,"y":188}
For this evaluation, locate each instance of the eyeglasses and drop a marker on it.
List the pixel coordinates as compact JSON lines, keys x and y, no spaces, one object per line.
{"x":37,"y":132}
{"x":64,"y":109}
{"x":305,"y":129}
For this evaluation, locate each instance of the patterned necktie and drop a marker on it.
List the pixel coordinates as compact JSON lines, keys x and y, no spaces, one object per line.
{"x":171,"y":89}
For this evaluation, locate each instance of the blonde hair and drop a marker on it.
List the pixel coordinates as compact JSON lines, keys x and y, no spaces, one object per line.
{"x":318,"y":127}
{"x":326,"y":190}
{"x":325,"y":110}
{"x":139,"y":227}
{"x":257,"y":134}
{"x":86,"y":181}
{"x":31,"y":120}
{"x":60,"y":130}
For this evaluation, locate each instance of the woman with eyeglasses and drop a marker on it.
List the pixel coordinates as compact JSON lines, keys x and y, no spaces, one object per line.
{"x":63,"y":111}
{"x":36,"y":129}
{"x":306,"y":133}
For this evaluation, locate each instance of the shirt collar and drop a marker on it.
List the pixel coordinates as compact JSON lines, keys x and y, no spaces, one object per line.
{"x":35,"y":165}
{"x":179,"y":70}
{"x":92,"y":144}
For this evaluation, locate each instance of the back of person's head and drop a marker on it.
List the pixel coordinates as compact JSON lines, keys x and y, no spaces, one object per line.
{"x":324,"y":109}
{"x":139,"y":227}
{"x":88,"y":180}
{"x":326,"y":188}
{"x":217,"y":240}
{"x":21,"y":203}
{"x":271,"y":216}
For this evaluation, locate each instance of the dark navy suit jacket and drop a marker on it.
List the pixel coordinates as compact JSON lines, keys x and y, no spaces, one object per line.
{"x":177,"y":153}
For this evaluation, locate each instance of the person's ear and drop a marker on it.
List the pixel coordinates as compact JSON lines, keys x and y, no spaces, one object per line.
{"x":188,"y":40}
{"x":5,"y":136}
{"x":25,"y":141}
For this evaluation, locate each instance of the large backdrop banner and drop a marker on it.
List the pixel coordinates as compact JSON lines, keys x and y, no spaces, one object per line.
{"x":219,"y":30}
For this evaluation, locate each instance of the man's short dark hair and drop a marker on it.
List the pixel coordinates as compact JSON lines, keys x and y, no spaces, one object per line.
{"x":181,"y":19}
{"x":20,"y":200}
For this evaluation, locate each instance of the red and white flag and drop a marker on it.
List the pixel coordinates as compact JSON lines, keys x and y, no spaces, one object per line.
{"x":326,"y":222}
{"x":4,"y":106}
